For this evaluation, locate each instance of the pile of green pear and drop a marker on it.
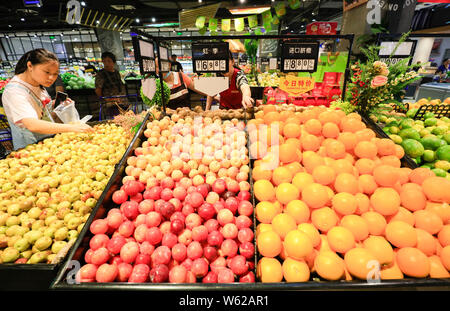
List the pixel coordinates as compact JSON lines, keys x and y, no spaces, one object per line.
{"x":48,"y":189}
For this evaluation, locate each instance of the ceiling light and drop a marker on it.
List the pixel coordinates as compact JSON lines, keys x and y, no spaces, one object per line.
{"x":22,"y":19}
{"x":138,"y":20}
{"x":242,"y":1}
{"x":98,"y":22}
{"x":10,"y":26}
{"x":83,"y":3}
{"x":313,"y":19}
{"x":153,"y":19}
{"x":199,"y":1}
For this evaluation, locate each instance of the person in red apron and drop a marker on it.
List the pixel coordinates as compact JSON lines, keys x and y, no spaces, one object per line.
{"x":179,"y":84}
{"x":27,"y":104}
{"x":238,"y":95}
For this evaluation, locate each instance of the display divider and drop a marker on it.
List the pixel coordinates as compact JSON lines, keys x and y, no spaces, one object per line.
{"x":101,"y":207}
{"x":406,"y":161}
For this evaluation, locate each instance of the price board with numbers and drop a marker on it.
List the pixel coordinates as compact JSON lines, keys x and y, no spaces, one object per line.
{"x":145,"y":54}
{"x":391,"y":52}
{"x":299,"y":57}
{"x":164,"y":59}
{"x":210,"y":57}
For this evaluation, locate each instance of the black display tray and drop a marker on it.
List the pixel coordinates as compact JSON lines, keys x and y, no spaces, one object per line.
{"x":40,"y":276}
{"x":257,"y":92}
{"x":81,"y":247}
{"x":407,"y":161}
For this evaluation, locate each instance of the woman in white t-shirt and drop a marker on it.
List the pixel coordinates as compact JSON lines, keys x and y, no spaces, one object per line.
{"x":25,"y":98}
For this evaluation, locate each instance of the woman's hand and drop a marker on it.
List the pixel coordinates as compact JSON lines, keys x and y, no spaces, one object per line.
{"x":247,"y":101}
{"x":81,"y":128}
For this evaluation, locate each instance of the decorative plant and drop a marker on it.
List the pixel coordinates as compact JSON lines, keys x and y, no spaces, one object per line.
{"x":373,"y":83}
{"x":157,"y":98}
{"x":251,"y":48}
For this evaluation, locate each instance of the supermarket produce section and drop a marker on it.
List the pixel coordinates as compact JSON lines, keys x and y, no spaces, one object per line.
{"x":296,"y":197}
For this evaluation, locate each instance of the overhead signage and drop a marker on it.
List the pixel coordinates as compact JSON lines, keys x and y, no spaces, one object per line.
{"x":76,"y":14}
{"x":321,"y":28}
{"x":299,"y":57}
{"x":210,"y":57}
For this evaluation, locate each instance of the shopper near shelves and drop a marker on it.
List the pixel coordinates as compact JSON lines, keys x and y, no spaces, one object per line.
{"x":108,"y":83}
{"x":175,"y":65}
{"x":28,"y":105}
{"x":443,"y":69}
{"x":238,"y":95}
{"x":58,"y":86}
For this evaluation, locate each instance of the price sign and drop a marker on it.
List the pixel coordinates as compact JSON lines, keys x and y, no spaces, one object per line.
{"x":210,"y":57}
{"x":264,"y":61}
{"x":145,"y":55}
{"x":299,"y":57}
{"x":404,"y":50}
{"x":165,"y":66}
{"x":163,"y":53}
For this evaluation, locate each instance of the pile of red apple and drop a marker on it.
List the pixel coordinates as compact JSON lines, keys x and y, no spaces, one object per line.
{"x":177,"y":230}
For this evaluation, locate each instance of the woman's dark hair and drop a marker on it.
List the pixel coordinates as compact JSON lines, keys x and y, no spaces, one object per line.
{"x":110,"y":55}
{"x":36,"y":57}
{"x":230,"y":55}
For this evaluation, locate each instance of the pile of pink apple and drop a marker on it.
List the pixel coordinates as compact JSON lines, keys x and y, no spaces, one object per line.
{"x":178,"y":228}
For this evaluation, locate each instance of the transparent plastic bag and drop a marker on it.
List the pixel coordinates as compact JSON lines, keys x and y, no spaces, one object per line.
{"x":67,"y":113}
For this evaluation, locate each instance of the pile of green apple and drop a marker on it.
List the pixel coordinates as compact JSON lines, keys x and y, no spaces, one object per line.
{"x":48,"y":189}
{"x":427,"y":142}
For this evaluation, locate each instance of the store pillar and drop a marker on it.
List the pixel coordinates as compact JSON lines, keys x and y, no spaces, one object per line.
{"x":423,"y":50}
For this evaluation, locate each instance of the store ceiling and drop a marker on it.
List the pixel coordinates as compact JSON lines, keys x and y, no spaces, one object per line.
{"x":14,"y":16}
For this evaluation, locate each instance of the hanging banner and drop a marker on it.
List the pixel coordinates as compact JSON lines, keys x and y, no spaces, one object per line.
{"x":202,"y":31}
{"x":268,"y":27}
{"x":280,"y":9}
{"x":296,"y":86}
{"x":266,"y":17}
{"x":253,"y":21}
{"x":212,"y":25}
{"x":226,"y":25}
{"x":239,"y":24}
{"x":294,"y":4}
{"x":200,"y":22}
{"x":321,"y":28}
{"x":275,"y":20}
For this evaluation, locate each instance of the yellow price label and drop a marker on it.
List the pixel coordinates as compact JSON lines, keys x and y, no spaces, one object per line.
{"x":295,"y":86}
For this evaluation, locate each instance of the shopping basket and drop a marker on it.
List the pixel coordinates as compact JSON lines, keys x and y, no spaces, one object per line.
{"x":105,"y":113}
{"x":6,"y":145}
